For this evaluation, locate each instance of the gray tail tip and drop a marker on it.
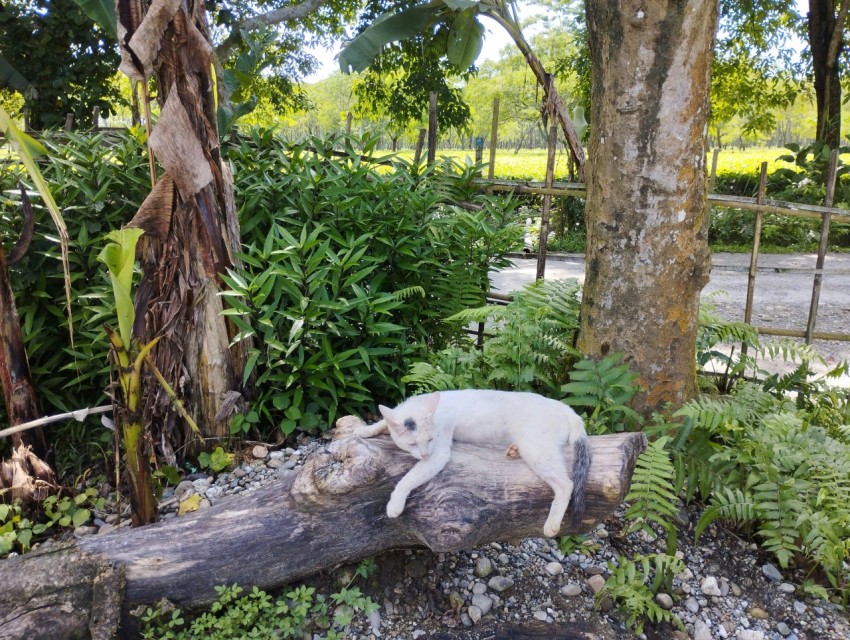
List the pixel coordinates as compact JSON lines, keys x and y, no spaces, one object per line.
{"x":582,"y":459}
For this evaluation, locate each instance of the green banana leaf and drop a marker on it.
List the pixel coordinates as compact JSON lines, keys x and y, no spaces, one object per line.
{"x":119,"y":256}
{"x":28,"y":150}
{"x":11,"y":77}
{"x":103,"y":13}
{"x":466,"y":38}
{"x":358,"y":54}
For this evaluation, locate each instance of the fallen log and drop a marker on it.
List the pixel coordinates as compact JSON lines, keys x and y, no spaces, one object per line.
{"x":329,"y":513}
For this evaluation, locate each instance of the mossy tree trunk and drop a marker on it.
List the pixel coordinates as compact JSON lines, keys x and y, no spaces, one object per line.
{"x":647,"y":213}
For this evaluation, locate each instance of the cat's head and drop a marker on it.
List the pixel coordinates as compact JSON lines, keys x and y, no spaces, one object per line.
{"x":411,"y":424}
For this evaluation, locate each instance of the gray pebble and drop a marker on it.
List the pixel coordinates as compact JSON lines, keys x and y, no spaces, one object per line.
{"x":500,"y":583}
{"x":483,"y":603}
{"x":554,"y":568}
{"x":799,"y":608}
{"x":474,"y":614}
{"x":664,"y":601}
{"x":783,"y":628}
{"x":571,"y":590}
{"x":540,"y":615}
{"x":692,"y":605}
{"x":483,"y":567}
{"x":771,"y":573}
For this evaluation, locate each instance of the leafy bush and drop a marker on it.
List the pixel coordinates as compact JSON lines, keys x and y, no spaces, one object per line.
{"x":348,"y":271}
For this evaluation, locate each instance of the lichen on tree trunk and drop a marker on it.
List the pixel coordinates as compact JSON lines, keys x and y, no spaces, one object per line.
{"x":647,"y":213}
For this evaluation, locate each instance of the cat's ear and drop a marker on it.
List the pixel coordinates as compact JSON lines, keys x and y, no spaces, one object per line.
{"x":388,"y":414}
{"x":431,"y":401}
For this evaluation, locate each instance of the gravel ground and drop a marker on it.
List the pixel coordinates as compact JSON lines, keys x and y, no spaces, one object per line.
{"x":529,"y":589}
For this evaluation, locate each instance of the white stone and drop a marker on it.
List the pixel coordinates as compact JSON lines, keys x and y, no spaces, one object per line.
{"x":571,"y":590}
{"x":710,"y":587}
{"x":474,"y":613}
{"x":554,"y":568}
{"x":483,"y":603}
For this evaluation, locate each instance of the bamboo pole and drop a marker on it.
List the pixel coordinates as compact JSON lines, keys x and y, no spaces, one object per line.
{"x":822,"y":246}
{"x":547,"y":201}
{"x":494,"y":138}
{"x":754,"y":256}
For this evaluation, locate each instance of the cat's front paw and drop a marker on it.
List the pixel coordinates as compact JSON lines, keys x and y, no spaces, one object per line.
{"x":363,"y":432}
{"x":395,"y":506}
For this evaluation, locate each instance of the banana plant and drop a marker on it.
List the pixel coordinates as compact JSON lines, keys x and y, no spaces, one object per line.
{"x":466,"y":37}
{"x":130,"y":356}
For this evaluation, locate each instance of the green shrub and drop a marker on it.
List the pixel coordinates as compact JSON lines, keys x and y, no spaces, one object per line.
{"x":348,"y":271}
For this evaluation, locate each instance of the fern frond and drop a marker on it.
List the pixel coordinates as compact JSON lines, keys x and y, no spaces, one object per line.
{"x":727,"y":504}
{"x":650,"y":495}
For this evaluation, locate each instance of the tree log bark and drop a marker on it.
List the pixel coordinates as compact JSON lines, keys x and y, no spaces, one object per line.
{"x":330,"y":512}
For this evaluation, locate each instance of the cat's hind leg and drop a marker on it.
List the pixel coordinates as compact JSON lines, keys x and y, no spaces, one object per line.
{"x":548,"y":462}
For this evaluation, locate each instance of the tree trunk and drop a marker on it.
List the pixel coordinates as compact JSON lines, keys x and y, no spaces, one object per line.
{"x":647,"y":214}
{"x":191,"y":232}
{"x":822,"y":28}
{"x":331,"y":512}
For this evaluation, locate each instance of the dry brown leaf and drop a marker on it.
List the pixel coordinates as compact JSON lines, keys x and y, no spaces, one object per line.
{"x":146,"y":41}
{"x":154,"y":216}
{"x":178,"y":149}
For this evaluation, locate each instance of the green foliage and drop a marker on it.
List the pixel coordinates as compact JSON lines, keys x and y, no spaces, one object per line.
{"x":302,"y":612}
{"x":529,"y":349}
{"x":349,"y":270}
{"x":98,"y":182}
{"x":633,"y":584}
{"x":651,"y":497}
{"x":604,"y":387}
{"x":66,"y":57}
{"x":217,"y":461}
{"x":18,"y":532}
{"x":768,"y":466}
{"x":731,"y":350}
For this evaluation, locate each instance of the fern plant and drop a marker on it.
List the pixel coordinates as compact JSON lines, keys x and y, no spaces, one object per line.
{"x":605,"y":387}
{"x":530,"y":348}
{"x":651,"y":497}
{"x":776,"y":473}
{"x":633,"y":584}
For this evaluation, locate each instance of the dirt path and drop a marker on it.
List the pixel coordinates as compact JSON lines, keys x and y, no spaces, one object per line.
{"x":782,"y":294}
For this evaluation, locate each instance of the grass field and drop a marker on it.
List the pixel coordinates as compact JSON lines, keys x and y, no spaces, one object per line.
{"x":530,"y":164}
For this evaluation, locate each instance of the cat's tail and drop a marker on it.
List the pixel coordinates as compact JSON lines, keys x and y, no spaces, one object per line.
{"x":582,"y":458}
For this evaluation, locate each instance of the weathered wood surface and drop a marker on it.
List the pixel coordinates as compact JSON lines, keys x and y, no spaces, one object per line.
{"x":330,"y":512}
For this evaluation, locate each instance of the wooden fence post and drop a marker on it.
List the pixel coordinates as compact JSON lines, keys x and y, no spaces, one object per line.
{"x":822,"y":246}
{"x":754,"y":256}
{"x":547,"y":201}
{"x":69,"y":121}
{"x":494,"y":138}
{"x":348,"y":118}
{"x":95,"y":118}
{"x":713,"y":175}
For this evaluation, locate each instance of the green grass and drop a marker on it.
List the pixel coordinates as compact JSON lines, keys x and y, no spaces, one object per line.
{"x":530,"y":164}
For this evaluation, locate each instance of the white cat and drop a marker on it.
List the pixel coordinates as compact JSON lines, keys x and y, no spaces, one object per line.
{"x":537,"y":427}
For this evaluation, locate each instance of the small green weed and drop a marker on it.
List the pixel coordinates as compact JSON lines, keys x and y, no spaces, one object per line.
{"x":216,"y":461}
{"x":301,"y":612}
